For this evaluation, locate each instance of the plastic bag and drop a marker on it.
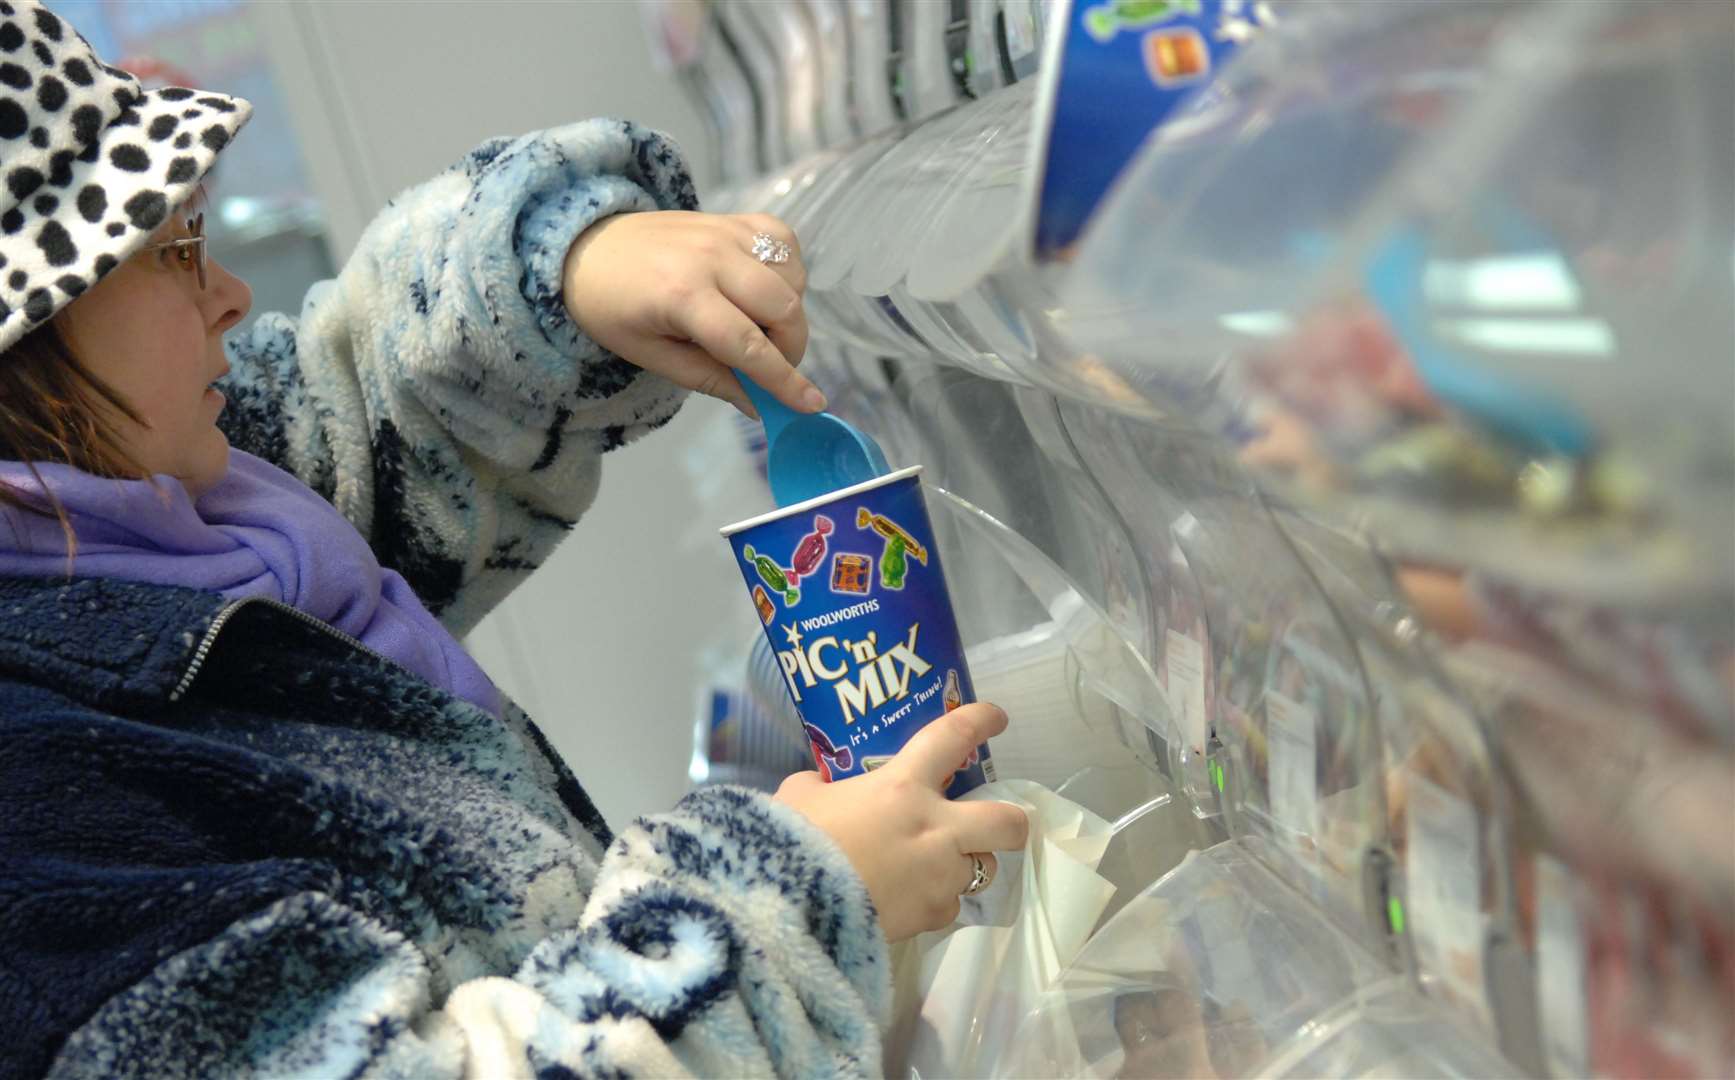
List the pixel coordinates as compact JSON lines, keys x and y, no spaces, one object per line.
{"x":961,"y":993}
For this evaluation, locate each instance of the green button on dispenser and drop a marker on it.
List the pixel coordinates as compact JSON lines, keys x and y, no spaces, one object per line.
{"x":1395,"y":914}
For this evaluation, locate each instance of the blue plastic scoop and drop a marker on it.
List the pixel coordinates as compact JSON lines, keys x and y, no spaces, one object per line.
{"x":811,"y":454}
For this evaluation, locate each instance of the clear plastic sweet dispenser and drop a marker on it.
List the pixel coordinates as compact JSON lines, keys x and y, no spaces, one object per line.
{"x":1346,"y":519}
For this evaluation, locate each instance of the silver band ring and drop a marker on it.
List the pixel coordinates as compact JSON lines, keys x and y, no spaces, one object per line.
{"x":769,"y":249}
{"x":981,"y":878}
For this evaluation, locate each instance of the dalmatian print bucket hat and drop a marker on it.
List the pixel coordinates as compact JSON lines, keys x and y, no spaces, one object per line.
{"x":92,"y":162}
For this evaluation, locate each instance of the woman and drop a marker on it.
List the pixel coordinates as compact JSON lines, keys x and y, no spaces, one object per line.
{"x":259,"y":812}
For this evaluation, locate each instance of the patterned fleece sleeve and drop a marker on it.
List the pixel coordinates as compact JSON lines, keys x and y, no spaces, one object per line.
{"x":436,"y":391}
{"x":726,"y":938}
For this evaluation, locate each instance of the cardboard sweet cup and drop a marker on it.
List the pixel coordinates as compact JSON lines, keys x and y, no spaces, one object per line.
{"x":849,"y":590}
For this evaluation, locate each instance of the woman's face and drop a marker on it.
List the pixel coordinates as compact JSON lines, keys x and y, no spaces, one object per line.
{"x":153,"y":335}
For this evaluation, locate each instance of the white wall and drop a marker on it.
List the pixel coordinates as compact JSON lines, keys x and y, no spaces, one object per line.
{"x":387,"y":92}
{"x":604,"y":645}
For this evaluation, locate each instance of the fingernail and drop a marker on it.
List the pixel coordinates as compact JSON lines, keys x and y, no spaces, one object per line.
{"x":813,"y":399}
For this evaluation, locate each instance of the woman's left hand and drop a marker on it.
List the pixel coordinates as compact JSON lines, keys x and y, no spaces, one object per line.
{"x":681,"y":294}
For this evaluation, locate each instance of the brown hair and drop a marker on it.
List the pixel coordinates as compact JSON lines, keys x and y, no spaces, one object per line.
{"x":55,"y":409}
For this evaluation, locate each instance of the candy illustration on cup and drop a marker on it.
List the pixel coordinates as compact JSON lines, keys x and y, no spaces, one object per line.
{"x":850,"y":573}
{"x":825,"y":754}
{"x":893,"y":565}
{"x":1176,"y":57}
{"x":1105,"y":20}
{"x":891,"y":530}
{"x":811,"y":551}
{"x":762,"y":604}
{"x":772,"y":575}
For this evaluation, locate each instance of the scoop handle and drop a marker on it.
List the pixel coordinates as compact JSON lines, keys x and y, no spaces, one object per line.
{"x":772,"y":413}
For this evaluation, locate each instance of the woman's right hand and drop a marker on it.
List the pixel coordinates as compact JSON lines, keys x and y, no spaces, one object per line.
{"x":910,"y":844}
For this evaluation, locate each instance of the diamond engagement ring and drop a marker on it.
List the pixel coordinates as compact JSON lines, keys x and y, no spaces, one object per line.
{"x":769,"y":249}
{"x":981,"y":878}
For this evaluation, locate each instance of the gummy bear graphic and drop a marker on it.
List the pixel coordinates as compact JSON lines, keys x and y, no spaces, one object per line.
{"x":824,"y":751}
{"x":893,"y":565}
{"x":772,"y":575}
{"x":1107,"y":19}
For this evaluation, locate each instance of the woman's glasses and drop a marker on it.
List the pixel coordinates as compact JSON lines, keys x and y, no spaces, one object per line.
{"x":189,"y":250}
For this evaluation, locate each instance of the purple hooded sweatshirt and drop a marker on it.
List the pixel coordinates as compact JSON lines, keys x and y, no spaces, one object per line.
{"x":259,"y":532}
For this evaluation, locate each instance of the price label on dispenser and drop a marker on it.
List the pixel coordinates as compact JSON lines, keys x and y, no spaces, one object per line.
{"x":1185,"y":659}
{"x":1560,"y":972}
{"x":1444,"y":879}
{"x":1291,"y":759}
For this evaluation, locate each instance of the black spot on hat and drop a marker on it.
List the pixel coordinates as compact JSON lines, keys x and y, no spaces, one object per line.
{"x":86,"y":122}
{"x":39,"y":138}
{"x":105,"y":263}
{"x":60,"y":168}
{"x":46,"y":204}
{"x":17,"y":280}
{"x":44,"y":55}
{"x":181,"y":170}
{"x":92,"y":202}
{"x":174,"y":93}
{"x":183,"y":140}
{"x":78,"y":72}
{"x":2,"y":260}
{"x":50,"y":93}
{"x":13,"y":121}
{"x":56,"y":244}
{"x":128,"y":117}
{"x":48,"y":23}
{"x":115,"y":228}
{"x":218,"y":103}
{"x":215,"y":138}
{"x":130,"y":157}
{"x":15,"y":76}
{"x":11,"y":221}
{"x":162,"y":127}
{"x":5,"y":8}
{"x":40,"y":305}
{"x":71,"y":284}
{"x":22,"y":181}
{"x":192,"y":114}
{"x":147,"y":209}
{"x":91,"y":151}
{"x":11,"y":37}
{"x":124,"y":96}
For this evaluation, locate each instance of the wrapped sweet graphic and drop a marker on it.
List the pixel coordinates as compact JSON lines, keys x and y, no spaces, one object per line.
{"x":811,"y":551}
{"x":825,"y":755}
{"x":773,"y":575}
